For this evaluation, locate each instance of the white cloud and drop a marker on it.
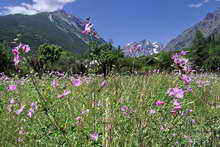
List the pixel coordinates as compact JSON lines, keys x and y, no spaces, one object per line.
{"x":36,"y":7}
{"x":198,"y":5}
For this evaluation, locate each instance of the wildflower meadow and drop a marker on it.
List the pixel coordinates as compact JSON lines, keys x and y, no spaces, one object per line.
{"x":179,"y":108}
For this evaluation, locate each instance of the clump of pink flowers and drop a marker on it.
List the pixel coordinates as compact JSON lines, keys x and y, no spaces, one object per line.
{"x":185,"y":70}
{"x":17,"y":51}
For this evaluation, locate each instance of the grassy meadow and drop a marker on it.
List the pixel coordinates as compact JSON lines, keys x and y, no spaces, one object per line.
{"x":117,"y":111}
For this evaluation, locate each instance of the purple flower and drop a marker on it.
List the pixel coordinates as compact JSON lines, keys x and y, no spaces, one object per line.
{"x":26,"y":48}
{"x":88,"y":28}
{"x":190,"y":110}
{"x":177,"y":108}
{"x":17,"y":59}
{"x":94,"y":136}
{"x":124,"y":108}
{"x":32,"y":109}
{"x":76,"y":82}
{"x":159,"y":103}
{"x":55,"y":84}
{"x":175,"y":56}
{"x":19,"y":111}
{"x":30,"y":113}
{"x":15,"y":51}
{"x":12,"y":87}
{"x":176,"y":92}
{"x":176,"y":103}
{"x":189,"y":89}
{"x":186,"y":79}
{"x":193,"y":121}
{"x":104,"y":84}
{"x":183,"y":53}
{"x":65,"y":93}
{"x":180,"y":61}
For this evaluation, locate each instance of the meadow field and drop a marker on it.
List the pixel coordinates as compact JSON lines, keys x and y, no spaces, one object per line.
{"x":120,"y":110}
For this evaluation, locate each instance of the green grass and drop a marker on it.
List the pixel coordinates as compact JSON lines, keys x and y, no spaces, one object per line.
{"x":58,"y":125}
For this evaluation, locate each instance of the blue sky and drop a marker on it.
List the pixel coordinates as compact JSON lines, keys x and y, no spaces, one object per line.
{"x":126,"y":21}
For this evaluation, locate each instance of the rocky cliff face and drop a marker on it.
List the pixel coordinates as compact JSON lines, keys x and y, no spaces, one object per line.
{"x":210,"y":25}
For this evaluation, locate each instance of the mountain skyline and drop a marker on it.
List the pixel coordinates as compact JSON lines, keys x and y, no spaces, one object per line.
{"x":59,"y":28}
{"x":128,"y":21}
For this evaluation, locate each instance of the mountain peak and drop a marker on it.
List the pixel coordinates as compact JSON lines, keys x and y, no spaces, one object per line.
{"x":210,"y":25}
{"x":142,"y":48}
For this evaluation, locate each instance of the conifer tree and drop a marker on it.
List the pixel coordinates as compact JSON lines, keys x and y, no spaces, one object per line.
{"x":200,"y":49}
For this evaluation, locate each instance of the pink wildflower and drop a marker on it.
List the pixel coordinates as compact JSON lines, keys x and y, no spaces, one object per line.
{"x":159,"y":103}
{"x":32,"y":109}
{"x":76,"y":82}
{"x":183,"y":53}
{"x":189,"y":89}
{"x":17,"y":60}
{"x":186,"y":79}
{"x":88,"y":28}
{"x":19,"y":111}
{"x":124,"y":108}
{"x":104,"y":83}
{"x":177,"y":108}
{"x":176,"y":92}
{"x":180,"y":61}
{"x":55,"y":84}
{"x":94,"y":136}
{"x":26,"y":48}
{"x":65,"y":93}
{"x":176,"y":103}
{"x":12,"y":87}
{"x":190,"y":110}
{"x":15,"y":51}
